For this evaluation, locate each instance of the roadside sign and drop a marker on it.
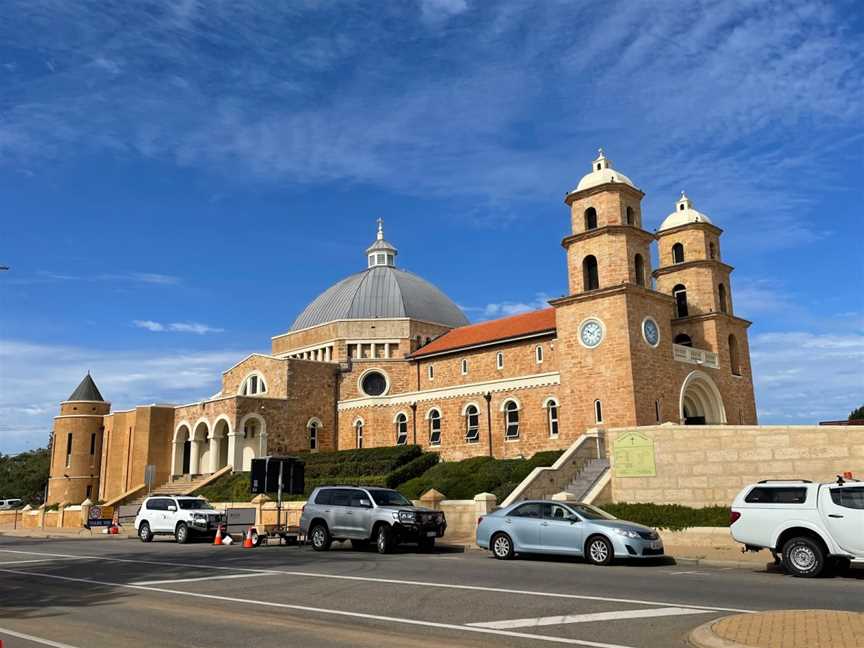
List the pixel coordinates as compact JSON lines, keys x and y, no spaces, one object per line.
{"x":100,"y":516}
{"x":149,"y":476}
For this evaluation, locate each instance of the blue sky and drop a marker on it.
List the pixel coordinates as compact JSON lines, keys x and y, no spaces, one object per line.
{"x":178,"y":179}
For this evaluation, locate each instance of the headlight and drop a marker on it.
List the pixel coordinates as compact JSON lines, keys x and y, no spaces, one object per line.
{"x":407,"y":516}
{"x":627,"y":533}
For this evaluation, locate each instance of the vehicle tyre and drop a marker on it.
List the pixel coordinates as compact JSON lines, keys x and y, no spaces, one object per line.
{"x":384,"y":539}
{"x":803,"y":557}
{"x":144,"y":532}
{"x":320,"y":538}
{"x":599,"y":551}
{"x":502,"y":546}
{"x":426,"y":544}
{"x":360,"y":545}
{"x":181,"y":533}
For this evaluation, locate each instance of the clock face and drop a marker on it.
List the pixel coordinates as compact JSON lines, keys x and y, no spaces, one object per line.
{"x":591,"y":333}
{"x":651,"y":332}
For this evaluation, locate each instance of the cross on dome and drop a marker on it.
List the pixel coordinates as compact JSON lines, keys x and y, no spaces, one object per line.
{"x":381,"y":253}
{"x":684,"y":202}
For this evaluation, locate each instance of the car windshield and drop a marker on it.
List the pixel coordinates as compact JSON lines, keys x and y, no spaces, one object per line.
{"x":390,"y":498}
{"x":591,"y":512}
{"x":194,"y":504}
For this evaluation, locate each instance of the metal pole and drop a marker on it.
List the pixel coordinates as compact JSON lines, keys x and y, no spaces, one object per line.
{"x":279,"y":496}
{"x":488,"y":397}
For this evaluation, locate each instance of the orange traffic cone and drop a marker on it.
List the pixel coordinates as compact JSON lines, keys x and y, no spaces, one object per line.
{"x":218,"y":539}
{"x":247,"y":542}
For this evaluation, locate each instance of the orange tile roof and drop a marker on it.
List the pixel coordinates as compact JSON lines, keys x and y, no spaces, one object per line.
{"x":498,"y":330}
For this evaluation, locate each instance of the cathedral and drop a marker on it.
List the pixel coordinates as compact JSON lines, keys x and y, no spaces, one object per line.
{"x":384,"y":357}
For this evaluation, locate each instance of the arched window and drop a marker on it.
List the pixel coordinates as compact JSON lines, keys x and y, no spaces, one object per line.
{"x":358,"y":434}
{"x":679,"y":292}
{"x":678,"y":253}
{"x":712,"y":251}
{"x":639,"y":270}
{"x":434,"y":427}
{"x":683,"y":339}
{"x":253,"y":385}
{"x":401,"y":429}
{"x":511,"y":420}
{"x":538,"y":354}
{"x":598,"y":411}
{"x":472,"y":424}
{"x":630,"y":216}
{"x":590,"y":218}
{"x":552,"y":417}
{"x":250,"y":428}
{"x":312,"y":429}
{"x":721,"y":295}
{"x":590,"y":277}
{"x":734,"y":359}
{"x":499,"y":360}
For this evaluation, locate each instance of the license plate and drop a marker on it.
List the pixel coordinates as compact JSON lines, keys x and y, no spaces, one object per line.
{"x":431,"y":534}
{"x":657,"y":544}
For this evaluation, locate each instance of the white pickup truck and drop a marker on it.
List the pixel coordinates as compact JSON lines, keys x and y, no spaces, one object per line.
{"x":812,"y":526}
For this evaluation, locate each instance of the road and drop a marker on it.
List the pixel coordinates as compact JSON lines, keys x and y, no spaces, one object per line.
{"x":104,"y":593}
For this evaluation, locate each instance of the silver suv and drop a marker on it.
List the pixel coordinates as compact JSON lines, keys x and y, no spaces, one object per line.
{"x":362,"y":515}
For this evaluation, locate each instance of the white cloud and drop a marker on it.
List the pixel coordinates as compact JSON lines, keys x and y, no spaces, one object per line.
{"x":494,"y":310}
{"x":436,"y":11}
{"x":36,"y":378}
{"x":179,"y":327}
{"x":803,"y":377}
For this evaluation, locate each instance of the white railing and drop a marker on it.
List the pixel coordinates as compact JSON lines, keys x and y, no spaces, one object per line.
{"x":695,"y":356}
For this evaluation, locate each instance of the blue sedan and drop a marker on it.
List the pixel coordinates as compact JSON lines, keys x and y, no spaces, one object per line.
{"x":571,"y":529}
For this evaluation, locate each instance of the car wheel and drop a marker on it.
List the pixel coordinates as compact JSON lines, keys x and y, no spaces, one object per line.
{"x":803,"y":557}
{"x":599,"y":551}
{"x":426,"y":544}
{"x":359,"y":545}
{"x":502,"y":546}
{"x":384,"y":539}
{"x":144,"y":532}
{"x":181,"y":533}
{"x":319,"y":536}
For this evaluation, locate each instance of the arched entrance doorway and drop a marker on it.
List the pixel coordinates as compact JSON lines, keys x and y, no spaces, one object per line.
{"x":200,"y":451}
{"x":182,"y":451}
{"x":219,"y":445}
{"x":701,"y":402}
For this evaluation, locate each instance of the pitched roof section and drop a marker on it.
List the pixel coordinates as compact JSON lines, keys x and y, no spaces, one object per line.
{"x":86,"y":391}
{"x":499,"y":330}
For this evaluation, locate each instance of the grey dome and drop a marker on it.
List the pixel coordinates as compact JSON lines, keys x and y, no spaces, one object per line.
{"x":381,"y":291}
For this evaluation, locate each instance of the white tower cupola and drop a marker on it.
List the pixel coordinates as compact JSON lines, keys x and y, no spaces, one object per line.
{"x":381,"y":253}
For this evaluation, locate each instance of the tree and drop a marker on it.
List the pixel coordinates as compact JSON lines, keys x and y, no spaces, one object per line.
{"x":25,"y":475}
{"x":857,"y":413}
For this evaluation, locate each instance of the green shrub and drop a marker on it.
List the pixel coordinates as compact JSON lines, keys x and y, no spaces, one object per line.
{"x":464,"y":479}
{"x":673,"y":517}
{"x":357,"y":463}
{"x":412,"y":469}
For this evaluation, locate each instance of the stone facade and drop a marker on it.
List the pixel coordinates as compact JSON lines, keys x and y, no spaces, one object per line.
{"x":538,"y":376}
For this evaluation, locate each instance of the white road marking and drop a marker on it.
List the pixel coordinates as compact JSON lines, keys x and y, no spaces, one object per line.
{"x":200,"y":578}
{"x":395,"y":581}
{"x":679,"y":573}
{"x":326,"y":611}
{"x":587,"y":618}
{"x":39,"y":640}
{"x":21,"y":562}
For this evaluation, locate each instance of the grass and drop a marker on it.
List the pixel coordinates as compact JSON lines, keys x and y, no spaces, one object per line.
{"x":464,"y":479}
{"x":673,"y":517}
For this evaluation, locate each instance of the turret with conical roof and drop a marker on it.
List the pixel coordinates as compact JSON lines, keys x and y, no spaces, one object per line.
{"x":76,"y":449}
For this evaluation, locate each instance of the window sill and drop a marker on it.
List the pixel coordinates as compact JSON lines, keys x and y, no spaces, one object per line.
{"x":511,"y":439}
{"x":472,"y":441}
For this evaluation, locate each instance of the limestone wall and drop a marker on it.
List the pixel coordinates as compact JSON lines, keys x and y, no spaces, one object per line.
{"x":708,"y":465}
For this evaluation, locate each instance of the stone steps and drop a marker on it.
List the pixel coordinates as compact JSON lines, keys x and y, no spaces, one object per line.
{"x":587,"y":477}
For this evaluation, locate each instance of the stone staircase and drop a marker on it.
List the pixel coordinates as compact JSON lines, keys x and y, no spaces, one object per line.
{"x":587,"y":477}
{"x":181,"y":486}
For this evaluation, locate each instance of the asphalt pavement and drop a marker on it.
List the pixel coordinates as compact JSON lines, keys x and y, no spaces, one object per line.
{"x":95,"y":594}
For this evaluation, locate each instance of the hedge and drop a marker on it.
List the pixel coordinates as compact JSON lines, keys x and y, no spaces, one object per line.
{"x":464,"y":479}
{"x":357,"y":463}
{"x":673,"y":517}
{"x":412,"y":469}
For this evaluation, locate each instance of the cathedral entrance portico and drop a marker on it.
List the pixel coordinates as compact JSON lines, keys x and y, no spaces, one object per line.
{"x":701,"y":402}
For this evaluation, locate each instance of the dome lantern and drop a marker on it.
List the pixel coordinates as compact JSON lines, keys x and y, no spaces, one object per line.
{"x":381,"y":253}
{"x":684,"y":214}
{"x":601,"y":173}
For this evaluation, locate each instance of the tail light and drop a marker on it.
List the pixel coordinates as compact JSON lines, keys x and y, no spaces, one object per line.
{"x":733,"y":517}
{"x":302,"y":509}
{"x":479,"y":520}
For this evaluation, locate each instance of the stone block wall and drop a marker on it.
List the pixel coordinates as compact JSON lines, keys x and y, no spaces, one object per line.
{"x":708,"y":465}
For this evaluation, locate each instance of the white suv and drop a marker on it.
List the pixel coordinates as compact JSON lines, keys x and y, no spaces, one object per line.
{"x":182,"y":517}
{"x":811,"y":525}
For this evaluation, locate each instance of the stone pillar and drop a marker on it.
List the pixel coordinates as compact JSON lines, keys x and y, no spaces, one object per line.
{"x":235,"y":460}
{"x":598,"y":435}
{"x":194,"y":456}
{"x":564,"y":496}
{"x":61,"y":513}
{"x":215,"y":446}
{"x":484,"y":503}
{"x":85,"y":511}
{"x":259,"y":502}
{"x":387,"y":350}
{"x":42,"y":513}
{"x":432,"y":499}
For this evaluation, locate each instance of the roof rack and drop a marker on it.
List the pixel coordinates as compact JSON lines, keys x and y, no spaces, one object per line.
{"x":799,"y":481}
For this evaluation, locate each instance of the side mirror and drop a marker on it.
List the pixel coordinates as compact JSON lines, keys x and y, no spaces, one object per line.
{"x":172,"y":508}
{"x":574,"y":520}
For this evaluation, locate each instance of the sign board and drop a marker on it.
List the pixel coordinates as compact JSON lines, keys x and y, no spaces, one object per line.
{"x":266,"y":472}
{"x":149,"y":476}
{"x":633,"y":455}
{"x":100,"y":516}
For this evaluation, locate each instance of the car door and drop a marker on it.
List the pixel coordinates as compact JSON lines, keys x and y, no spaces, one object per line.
{"x":843,"y":514}
{"x":340,"y":508}
{"x":523,"y":524}
{"x":156,"y":510}
{"x":561,"y":530}
{"x":361,"y":515}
